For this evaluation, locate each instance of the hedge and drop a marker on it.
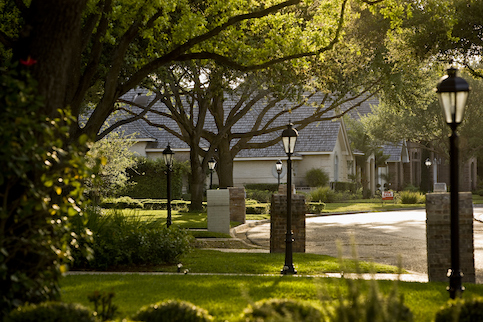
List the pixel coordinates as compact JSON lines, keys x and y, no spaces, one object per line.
{"x":148,"y":180}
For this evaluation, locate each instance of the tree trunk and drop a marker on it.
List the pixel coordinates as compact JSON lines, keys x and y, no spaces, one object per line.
{"x":51,"y":37}
{"x":197,"y":181}
{"x":225,"y":165}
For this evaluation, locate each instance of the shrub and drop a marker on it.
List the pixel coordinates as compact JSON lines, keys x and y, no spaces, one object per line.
{"x":272,"y":187}
{"x":409,"y":197}
{"x":127,"y":240}
{"x":172,"y":311}
{"x":315,"y":207}
{"x":41,"y":188}
{"x":120,"y":203}
{"x":344,"y":186}
{"x":257,"y":209}
{"x":281,"y":310}
{"x":324,"y":194}
{"x":148,"y":180}
{"x":461,"y":310}
{"x":316,"y":178}
{"x":371,"y":305}
{"x":103,"y":307}
{"x":51,"y":312}
{"x":259,"y":195}
{"x":162,"y":204}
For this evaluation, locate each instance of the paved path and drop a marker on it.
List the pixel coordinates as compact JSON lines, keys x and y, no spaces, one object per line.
{"x":383,"y":237}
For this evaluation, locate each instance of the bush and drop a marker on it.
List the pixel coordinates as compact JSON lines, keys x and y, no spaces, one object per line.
{"x":272,"y":187}
{"x":162,"y":204}
{"x":409,"y":197}
{"x":257,"y":209}
{"x":120,"y":203}
{"x":316,"y":178}
{"x":315,"y":207}
{"x":461,"y":310}
{"x":128,"y":240}
{"x":51,"y":312}
{"x":281,"y":310}
{"x":259,"y":195}
{"x":344,"y":186}
{"x":148,"y":180}
{"x":41,"y":188}
{"x":371,"y":305}
{"x":324,"y":194}
{"x":172,"y":311}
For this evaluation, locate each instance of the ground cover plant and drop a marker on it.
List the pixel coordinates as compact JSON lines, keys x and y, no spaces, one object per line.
{"x":225,"y":297}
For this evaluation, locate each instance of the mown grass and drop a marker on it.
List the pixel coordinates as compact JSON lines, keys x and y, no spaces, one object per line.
{"x":225,"y":297}
{"x":369,"y":205}
{"x":214,"y":261}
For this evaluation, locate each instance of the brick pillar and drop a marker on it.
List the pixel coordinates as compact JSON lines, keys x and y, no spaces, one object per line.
{"x":438,"y":236}
{"x":237,"y":204}
{"x":278,"y":223}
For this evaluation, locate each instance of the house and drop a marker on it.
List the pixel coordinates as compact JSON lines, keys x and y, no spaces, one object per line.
{"x":322,"y":144}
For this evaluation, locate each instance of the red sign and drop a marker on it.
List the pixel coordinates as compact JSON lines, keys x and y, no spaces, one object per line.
{"x":387,"y":195}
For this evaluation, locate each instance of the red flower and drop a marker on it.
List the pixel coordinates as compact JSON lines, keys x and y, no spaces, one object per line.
{"x":28,"y":62}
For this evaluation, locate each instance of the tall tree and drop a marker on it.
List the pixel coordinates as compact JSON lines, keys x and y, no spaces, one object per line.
{"x":351,"y":71}
{"x":84,"y":55}
{"x":425,"y":123}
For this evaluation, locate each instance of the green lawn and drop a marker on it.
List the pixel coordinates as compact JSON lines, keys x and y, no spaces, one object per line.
{"x":214,"y":261}
{"x":225,"y":297}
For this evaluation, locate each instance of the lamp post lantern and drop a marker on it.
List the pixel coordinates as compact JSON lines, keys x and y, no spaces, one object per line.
{"x":278,"y":166}
{"x":211,"y":166}
{"x":452,"y":93}
{"x":289,"y":137}
{"x":168,"y":161}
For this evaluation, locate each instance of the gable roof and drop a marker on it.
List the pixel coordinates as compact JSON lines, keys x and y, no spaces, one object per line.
{"x":317,"y":137}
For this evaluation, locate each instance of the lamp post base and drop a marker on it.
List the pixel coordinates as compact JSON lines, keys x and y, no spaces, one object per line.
{"x":455,"y":288}
{"x":288,"y":270}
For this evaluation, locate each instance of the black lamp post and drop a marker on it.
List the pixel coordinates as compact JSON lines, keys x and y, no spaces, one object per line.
{"x":211,"y":166}
{"x":278,"y":166}
{"x":168,"y":160}
{"x":452,"y":93}
{"x":289,"y":137}
{"x":428,"y":164}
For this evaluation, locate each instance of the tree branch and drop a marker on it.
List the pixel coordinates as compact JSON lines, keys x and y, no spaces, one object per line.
{"x":232,"y":64}
{"x":145,"y":109}
{"x":137,"y":77}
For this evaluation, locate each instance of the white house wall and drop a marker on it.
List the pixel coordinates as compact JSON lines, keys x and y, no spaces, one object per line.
{"x":261,"y":171}
{"x":317,"y":161}
{"x":139,"y":148}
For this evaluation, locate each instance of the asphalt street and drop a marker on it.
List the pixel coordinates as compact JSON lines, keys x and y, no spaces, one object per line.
{"x":383,"y":237}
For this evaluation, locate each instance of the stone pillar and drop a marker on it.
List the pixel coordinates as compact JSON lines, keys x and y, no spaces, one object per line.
{"x":278,"y":223}
{"x":218,"y":209}
{"x":438,"y":236}
{"x":237,"y":204}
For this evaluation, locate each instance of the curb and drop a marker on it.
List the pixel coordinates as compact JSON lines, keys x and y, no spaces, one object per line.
{"x":420,"y":278}
{"x":243,"y":228}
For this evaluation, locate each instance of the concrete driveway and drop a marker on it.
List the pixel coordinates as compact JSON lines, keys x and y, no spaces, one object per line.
{"x":383,"y":237}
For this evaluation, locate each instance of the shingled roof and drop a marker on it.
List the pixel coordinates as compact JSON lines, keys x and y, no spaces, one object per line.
{"x":317,"y":137}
